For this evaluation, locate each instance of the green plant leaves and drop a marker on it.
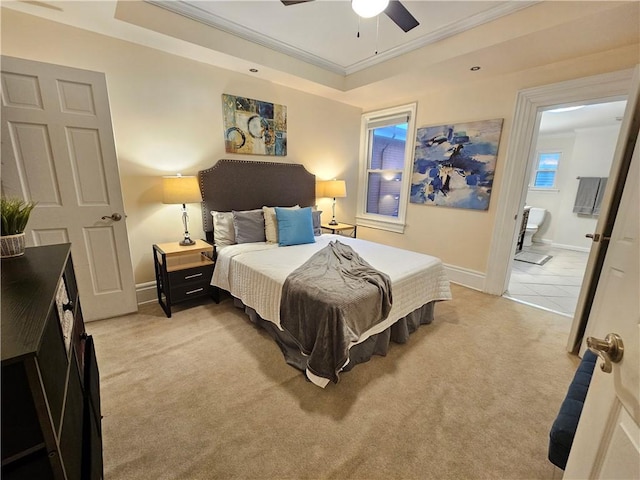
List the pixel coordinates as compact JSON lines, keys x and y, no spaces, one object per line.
{"x":15,"y":215}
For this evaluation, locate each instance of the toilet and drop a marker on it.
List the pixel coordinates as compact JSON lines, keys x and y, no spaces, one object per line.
{"x":536,"y":217}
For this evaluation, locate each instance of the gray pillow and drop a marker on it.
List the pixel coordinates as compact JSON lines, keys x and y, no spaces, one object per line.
{"x":249,"y":226}
{"x":317,"y":230}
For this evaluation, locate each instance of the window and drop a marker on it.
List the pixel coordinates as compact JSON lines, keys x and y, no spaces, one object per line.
{"x":386,"y":153}
{"x":546,"y":170}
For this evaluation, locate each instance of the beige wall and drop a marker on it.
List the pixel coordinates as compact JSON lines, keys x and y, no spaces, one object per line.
{"x":167,"y":118}
{"x":462,"y":238}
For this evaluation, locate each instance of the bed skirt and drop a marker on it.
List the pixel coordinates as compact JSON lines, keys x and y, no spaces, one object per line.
{"x":362,"y":352}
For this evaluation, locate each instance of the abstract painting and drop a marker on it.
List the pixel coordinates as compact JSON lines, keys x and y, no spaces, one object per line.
{"x":253,"y":126}
{"x":454,"y":164}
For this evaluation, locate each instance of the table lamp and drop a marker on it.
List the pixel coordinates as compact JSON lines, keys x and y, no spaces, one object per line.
{"x":335,"y":189}
{"x":181,"y":190}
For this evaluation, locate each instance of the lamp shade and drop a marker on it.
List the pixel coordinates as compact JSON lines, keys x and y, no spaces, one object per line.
{"x":180,"y":189}
{"x":369,"y":8}
{"x":335,"y":188}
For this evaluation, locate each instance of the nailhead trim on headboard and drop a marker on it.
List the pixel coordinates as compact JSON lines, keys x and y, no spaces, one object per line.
{"x":247,"y":185}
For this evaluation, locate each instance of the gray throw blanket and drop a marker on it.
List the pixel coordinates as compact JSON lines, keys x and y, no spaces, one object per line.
{"x":330,"y":301}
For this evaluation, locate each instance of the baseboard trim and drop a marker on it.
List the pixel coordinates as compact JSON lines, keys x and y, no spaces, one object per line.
{"x":550,"y":243}
{"x":146,"y":292}
{"x":571,"y":247}
{"x":465,"y":277}
{"x":544,"y":241}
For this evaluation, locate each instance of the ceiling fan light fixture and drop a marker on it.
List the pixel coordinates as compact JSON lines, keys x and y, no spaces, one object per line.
{"x":369,"y":8}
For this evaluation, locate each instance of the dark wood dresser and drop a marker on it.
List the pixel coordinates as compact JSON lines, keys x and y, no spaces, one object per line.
{"x":51,"y":420}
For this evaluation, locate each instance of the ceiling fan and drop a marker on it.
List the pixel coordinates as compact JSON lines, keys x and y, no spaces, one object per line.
{"x":394,"y":10}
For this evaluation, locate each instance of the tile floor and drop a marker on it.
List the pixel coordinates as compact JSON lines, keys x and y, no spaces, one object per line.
{"x":553,"y":286}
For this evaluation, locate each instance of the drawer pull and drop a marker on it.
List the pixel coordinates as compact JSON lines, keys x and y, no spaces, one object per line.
{"x":195,"y":291}
{"x":193,"y":276}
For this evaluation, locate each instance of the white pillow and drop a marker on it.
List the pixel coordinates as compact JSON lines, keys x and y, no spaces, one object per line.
{"x":223,"y":229}
{"x":271,"y":223}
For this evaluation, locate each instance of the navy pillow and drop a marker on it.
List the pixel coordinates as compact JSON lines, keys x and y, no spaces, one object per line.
{"x":295,"y":227}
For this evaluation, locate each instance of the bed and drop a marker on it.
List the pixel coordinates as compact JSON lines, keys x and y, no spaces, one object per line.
{"x":402,"y":287}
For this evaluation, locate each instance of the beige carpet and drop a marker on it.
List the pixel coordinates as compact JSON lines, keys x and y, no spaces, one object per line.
{"x":206,"y":395}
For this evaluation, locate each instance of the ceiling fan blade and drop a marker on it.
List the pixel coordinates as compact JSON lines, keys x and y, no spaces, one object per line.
{"x":293,"y":2}
{"x":401,"y":16}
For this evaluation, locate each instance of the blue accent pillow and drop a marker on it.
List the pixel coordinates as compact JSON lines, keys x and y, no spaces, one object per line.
{"x":295,"y":227}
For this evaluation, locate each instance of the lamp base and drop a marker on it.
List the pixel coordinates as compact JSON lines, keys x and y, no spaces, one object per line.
{"x":186,"y":241}
{"x":333,"y":213}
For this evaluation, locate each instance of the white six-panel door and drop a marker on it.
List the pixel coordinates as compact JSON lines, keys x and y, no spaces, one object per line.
{"x":58,"y":149}
{"x":607,"y":441}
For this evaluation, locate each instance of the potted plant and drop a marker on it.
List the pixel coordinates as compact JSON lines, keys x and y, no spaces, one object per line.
{"x":15,"y":215}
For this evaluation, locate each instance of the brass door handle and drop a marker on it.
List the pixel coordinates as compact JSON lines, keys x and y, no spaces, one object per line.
{"x":116,"y":217}
{"x":610,"y":350}
{"x":596,"y":237}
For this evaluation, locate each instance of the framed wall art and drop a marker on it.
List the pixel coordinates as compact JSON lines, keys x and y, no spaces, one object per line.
{"x":454,"y":164}
{"x":254,"y":126}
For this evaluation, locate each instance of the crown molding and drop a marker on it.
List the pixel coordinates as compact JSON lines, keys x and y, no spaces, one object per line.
{"x":192,"y":11}
{"x":441,"y":33}
{"x":195,"y":13}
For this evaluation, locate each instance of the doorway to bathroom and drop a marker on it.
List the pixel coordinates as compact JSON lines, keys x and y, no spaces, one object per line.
{"x":573,"y":155}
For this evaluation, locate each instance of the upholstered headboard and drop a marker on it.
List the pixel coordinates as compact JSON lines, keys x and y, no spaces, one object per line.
{"x":246,"y":185}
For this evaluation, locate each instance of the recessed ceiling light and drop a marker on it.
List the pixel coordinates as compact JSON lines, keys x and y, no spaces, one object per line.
{"x":253,"y":70}
{"x":475,"y":69}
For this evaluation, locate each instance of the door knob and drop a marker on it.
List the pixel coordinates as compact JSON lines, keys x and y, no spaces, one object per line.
{"x":116,"y":217}
{"x":596,"y":237}
{"x":610,"y":350}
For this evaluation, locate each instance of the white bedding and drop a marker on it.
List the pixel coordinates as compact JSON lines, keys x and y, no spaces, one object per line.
{"x":255,"y":273}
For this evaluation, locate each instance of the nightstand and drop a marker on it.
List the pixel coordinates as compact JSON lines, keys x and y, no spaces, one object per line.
{"x":350,"y":230}
{"x":182,"y":272}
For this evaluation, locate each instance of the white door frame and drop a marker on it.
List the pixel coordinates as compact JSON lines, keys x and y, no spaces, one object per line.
{"x":530,"y":104}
